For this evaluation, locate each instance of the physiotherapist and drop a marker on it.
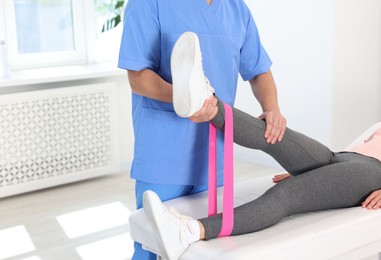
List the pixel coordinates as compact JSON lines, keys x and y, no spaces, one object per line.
{"x":170,"y":152}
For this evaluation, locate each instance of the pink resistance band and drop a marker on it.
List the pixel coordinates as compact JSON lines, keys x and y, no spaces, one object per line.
{"x":228,"y":207}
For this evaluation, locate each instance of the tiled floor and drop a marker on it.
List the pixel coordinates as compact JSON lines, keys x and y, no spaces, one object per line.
{"x":85,"y":220}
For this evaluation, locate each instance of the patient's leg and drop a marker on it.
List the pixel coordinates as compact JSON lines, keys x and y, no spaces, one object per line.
{"x":343,"y":184}
{"x":296,"y":153}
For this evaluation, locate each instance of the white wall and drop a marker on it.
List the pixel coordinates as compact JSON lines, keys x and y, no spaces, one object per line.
{"x":327,"y":66}
{"x":357,"y":69}
{"x":298,"y":35}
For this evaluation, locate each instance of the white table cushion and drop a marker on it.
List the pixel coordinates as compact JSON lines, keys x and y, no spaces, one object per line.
{"x":353,"y":232}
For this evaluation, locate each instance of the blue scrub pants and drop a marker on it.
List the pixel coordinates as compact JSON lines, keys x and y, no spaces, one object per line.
{"x":165,"y":192}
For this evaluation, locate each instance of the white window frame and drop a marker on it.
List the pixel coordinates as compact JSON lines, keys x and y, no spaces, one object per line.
{"x":82,"y":54}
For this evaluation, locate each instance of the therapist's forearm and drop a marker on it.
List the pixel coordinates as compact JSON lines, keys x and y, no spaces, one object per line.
{"x":264,"y":89}
{"x":150,"y":84}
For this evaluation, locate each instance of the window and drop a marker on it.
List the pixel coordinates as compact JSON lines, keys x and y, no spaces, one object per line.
{"x":43,"y":26}
{"x":42,"y":33}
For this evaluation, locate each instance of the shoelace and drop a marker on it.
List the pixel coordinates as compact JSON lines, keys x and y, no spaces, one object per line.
{"x":208,"y":84}
{"x":184,"y":222}
{"x":207,"y":81}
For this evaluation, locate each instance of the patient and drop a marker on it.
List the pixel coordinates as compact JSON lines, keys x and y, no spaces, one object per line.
{"x":317,"y":179}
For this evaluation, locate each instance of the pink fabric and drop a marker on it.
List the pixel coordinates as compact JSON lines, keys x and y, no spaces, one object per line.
{"x":228,"y":199}
{"x":371,"y":147}
{"x":228,"y":207}
{"x":212,"y":178}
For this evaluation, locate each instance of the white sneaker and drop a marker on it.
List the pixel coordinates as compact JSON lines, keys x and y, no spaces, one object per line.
{"x":168,"y":225}
{"x":190,"y":87}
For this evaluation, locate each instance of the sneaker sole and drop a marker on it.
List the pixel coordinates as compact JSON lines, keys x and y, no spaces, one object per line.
{"x":150,"y":210}
{"x":182,"y":62}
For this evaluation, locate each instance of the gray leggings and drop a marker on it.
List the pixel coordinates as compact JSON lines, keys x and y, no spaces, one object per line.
{"x":322,"y":179}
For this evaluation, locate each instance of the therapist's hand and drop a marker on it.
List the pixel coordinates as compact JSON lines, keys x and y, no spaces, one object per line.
{"x":207,"y":112}
{"x":373,"y":201}
{"x":281,"y":177}
{"x":275,"y":126}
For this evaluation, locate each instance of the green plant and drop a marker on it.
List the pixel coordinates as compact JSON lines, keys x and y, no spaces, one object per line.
{"x":113,"y":7}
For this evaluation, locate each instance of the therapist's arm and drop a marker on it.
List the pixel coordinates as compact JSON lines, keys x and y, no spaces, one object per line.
{"x":150,"y":84}
{"x":264,"y":89}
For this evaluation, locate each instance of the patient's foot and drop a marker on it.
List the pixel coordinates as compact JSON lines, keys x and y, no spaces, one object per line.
{"x":173,"y":232}
{"x":190,"y":87}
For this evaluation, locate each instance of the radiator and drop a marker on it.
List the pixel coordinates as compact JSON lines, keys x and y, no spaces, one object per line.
{"x":56,"y":136}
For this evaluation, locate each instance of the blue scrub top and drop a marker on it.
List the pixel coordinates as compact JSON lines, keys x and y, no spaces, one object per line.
{"x":169,"y":149}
